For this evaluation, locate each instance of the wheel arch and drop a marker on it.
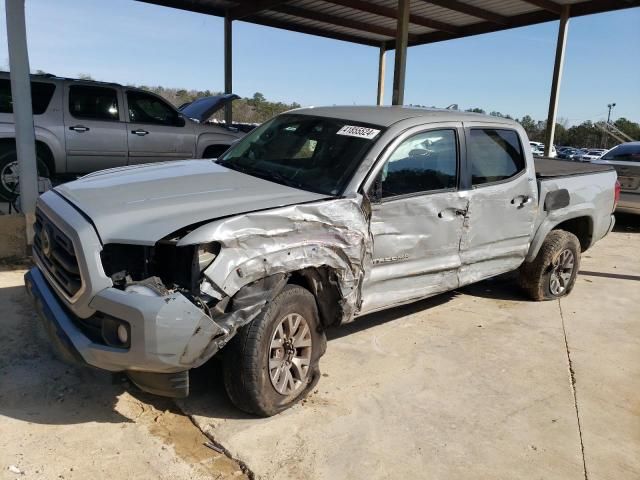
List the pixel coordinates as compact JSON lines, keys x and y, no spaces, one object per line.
{"x":214,"y":151}
{"x":323,"y":284}
{"x":581,"y":227}
{"x":43,"y":150}
{"x":581,"y":224}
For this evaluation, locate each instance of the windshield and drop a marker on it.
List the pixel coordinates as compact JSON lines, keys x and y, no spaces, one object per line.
{"x":624,"y":152}
{"x":318,"y":154}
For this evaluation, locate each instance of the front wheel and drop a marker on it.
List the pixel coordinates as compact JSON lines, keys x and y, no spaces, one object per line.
{"x":553,"y":272}
{"x":272,"y":362}
{"x":9,"y":175}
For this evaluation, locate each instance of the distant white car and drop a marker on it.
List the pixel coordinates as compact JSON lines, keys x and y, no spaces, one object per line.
{"x":537,"y":148}
{"x":592,"y":155}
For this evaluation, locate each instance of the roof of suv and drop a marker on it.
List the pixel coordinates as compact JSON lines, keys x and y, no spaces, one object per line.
{"x":388,"y":115}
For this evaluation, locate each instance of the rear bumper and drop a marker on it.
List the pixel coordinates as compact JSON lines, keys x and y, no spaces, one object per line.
{"x":629,"y":203}
{"x":168,"y":335}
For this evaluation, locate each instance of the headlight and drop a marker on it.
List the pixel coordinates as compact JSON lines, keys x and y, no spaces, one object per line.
{"x":207,"y":253}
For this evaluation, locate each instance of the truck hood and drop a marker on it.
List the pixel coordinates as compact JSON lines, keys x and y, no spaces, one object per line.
{"x":141,"y":204}
{"x":203,"y":108}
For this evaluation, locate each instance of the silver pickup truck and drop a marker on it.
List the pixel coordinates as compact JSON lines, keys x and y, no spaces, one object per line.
{"x":82,"y":126}
{"x":315,"y":218}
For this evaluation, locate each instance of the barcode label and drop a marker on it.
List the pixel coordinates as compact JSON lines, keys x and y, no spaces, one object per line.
{"x":360,"y":132}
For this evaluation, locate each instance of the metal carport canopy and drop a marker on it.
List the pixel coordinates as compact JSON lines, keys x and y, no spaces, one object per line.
{"x":374,"y":22}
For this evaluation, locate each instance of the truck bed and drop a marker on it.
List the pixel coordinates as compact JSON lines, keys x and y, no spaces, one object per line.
{"x":553,"y":168}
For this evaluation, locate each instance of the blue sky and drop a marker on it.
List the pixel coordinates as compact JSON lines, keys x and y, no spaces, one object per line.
{"x":132,"y":42}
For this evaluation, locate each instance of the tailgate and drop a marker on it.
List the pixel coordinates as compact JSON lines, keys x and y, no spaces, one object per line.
{"x":629,"y":177}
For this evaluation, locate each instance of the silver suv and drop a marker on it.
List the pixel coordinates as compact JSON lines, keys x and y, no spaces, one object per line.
{"x":83,"y":126}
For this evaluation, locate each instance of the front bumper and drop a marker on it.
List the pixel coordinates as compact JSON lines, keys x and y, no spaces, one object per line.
{"x":168,"y":334}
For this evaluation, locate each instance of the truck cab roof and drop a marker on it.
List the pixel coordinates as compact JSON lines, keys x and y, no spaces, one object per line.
{"x":386,"y":116}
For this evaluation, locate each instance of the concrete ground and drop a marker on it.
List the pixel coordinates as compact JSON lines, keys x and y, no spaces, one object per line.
{"x":62,"y":422}
{"x":479,"y":383}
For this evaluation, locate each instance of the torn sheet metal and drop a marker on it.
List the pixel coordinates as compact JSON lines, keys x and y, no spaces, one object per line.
{"x":332,"y":234}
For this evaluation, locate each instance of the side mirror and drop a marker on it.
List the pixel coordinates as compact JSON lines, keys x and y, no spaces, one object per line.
{"x":180,"y":121}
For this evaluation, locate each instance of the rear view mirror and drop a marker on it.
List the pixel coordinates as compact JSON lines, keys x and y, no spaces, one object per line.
{"x":180,"y":121}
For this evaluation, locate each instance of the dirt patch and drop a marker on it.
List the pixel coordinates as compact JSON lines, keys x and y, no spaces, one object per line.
{"x":61,"y":421}
{"x":166,"y":422}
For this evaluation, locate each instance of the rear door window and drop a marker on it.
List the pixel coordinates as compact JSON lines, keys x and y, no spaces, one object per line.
{"x":494,"y":155}
{"x":41,"y":94}
{"x":93,"y":103}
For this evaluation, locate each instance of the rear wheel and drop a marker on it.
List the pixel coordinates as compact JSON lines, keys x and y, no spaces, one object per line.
{"x":9,"y":175}
{"x":272,"y":362}
{"x":553,"y":272}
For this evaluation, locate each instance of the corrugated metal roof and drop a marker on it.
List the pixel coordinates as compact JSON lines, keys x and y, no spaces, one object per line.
{"x":373,"y":22}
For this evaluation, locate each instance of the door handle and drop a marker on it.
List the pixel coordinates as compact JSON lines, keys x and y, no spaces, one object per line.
{"x":140,"y":132}
{"x":521,"y":200}
{"x":79,"y":128}
{"x":451,"y":212}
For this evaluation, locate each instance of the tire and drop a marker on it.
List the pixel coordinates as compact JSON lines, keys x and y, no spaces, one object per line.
{"x":9,"y":174}
{"x":248,"y":379}
{"x":553,"y":272}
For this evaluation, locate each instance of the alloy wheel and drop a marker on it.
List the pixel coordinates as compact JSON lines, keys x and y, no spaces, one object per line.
{"x":290,"y":354}
{"x":561,"y":272}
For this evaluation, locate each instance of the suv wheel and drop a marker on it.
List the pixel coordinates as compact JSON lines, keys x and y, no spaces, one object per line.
{"x":9,"y":175}
{"x":272,"y":362}
{"x":553,"y":272}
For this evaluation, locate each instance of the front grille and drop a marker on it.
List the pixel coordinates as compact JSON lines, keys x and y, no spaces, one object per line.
{"x":56,"y":252}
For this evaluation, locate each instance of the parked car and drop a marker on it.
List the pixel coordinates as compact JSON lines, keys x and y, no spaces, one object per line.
{"x":566,"y":153}
{"x":577,"y":155}
{"x":315,"y":218}
{"x":83,"y":126}
{"x":592,"y":154}
{"x":625,"y":158}
{"x":537,"y":148}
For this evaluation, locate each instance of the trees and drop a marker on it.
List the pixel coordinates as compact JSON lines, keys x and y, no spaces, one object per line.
{"x":627,"y":126}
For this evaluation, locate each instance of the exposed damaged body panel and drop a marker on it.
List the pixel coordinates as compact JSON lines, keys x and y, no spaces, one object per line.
{"x":330,"y":234}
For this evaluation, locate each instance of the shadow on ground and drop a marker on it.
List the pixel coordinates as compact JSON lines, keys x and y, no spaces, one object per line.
{"x":37,"y":387}
{"x":627,"y":223}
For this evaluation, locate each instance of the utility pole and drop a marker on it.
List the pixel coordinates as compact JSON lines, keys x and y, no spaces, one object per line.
{"x":605,"y":138}
{"x":610,"y":107}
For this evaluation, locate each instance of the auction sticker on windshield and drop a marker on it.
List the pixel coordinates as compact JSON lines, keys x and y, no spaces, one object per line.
{"x":360,"y":132}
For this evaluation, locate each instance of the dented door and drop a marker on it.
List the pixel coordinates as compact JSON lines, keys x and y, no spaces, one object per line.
{"x":503,"y":203}
{"x":417,"y":223}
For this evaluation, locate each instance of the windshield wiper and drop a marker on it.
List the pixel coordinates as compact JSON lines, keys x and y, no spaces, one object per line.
{"x":265,"y":175}
{"x":279,"y":178}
